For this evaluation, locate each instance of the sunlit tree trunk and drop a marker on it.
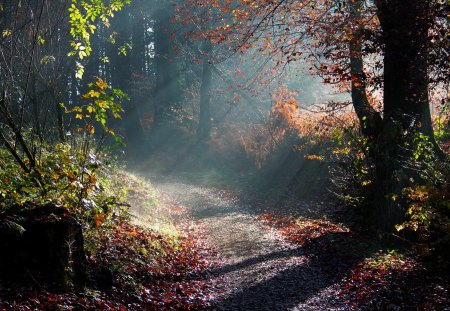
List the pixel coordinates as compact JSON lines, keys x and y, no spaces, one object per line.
{"x":370,"y":119}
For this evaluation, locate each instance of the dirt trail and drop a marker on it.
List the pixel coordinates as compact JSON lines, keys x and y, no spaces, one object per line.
{"x":258,"y":271}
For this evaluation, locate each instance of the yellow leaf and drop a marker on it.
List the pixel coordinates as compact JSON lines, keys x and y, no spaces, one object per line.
{"x":6,"y":33}
{"x":103,"y":104}
{"x":101,"y":84}
{"x":91,"y":94}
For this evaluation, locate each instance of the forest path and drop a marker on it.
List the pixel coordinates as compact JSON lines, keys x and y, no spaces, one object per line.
{"x":257,"y":270}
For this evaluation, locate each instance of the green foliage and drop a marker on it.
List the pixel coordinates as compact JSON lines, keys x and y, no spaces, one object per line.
{"x":352,"y":171}
{"x":83,"y":17}
{"x":428,"y":204}
{"x":73,"y":176}
{"x":442,"y":126}
{"x":35,"y":171}
{"x":420,"y":149}
{"x":387,"y":260}
{"x":123,"y":49}
{"x":102,"y":103}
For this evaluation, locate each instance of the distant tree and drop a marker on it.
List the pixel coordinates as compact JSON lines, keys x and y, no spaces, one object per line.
{"x":204,"y":120}
{"x":168,"y":90}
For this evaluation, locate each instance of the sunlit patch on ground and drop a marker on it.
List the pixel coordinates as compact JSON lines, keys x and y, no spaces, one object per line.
{"x":144,"y":204}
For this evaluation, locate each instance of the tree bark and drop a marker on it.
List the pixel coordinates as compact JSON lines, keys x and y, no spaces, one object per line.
{"x":370,"y":119}
{"x":405,"y":26}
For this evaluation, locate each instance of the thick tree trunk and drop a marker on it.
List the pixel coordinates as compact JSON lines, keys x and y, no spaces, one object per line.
{"x":405,"y":26}
{"x":371,"y":122}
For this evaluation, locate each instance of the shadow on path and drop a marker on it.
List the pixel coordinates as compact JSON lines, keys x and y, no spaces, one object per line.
{"x":331,"y":257}
{"x":260,"y":272}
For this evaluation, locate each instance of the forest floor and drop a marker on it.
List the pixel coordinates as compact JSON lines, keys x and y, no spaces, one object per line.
{"x":271,"y":260}
{"x":193,"y":245}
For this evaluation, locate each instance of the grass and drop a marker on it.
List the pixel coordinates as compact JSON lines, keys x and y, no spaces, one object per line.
{"x":145,"y":208}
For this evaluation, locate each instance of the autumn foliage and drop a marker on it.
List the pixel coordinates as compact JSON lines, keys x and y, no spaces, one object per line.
{"x":149,"y":271}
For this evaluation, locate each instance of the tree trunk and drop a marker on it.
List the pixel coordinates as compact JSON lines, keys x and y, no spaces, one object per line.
{"x":204,"y":121}
{"x":138,"y":38}
{"x":57,"y":99}
{"x":167,"y":88}
{"x":405,"y":26}
{"x":370,"y":119}
{"x":122,"y":76}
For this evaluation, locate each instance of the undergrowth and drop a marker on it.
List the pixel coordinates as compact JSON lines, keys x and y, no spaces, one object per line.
{"x":148,"y":270}
{"x":137,"y":257}
{"x":73,"y":176}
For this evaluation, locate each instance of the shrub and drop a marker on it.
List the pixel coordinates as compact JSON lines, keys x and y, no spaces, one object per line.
{"x":352,"y":173}
{"x":428,"y":207}
{"x":73,"y":176}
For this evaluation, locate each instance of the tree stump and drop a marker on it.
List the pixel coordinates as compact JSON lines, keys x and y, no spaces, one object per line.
{"x":43,"y":245}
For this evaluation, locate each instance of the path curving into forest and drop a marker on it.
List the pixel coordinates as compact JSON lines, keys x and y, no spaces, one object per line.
{"x":258,"y":271}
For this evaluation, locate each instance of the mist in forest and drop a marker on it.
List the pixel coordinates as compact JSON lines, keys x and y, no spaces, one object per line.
{"x":194,"y":106}
{"x":202,"y":111}
{"x":207,"y":154}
